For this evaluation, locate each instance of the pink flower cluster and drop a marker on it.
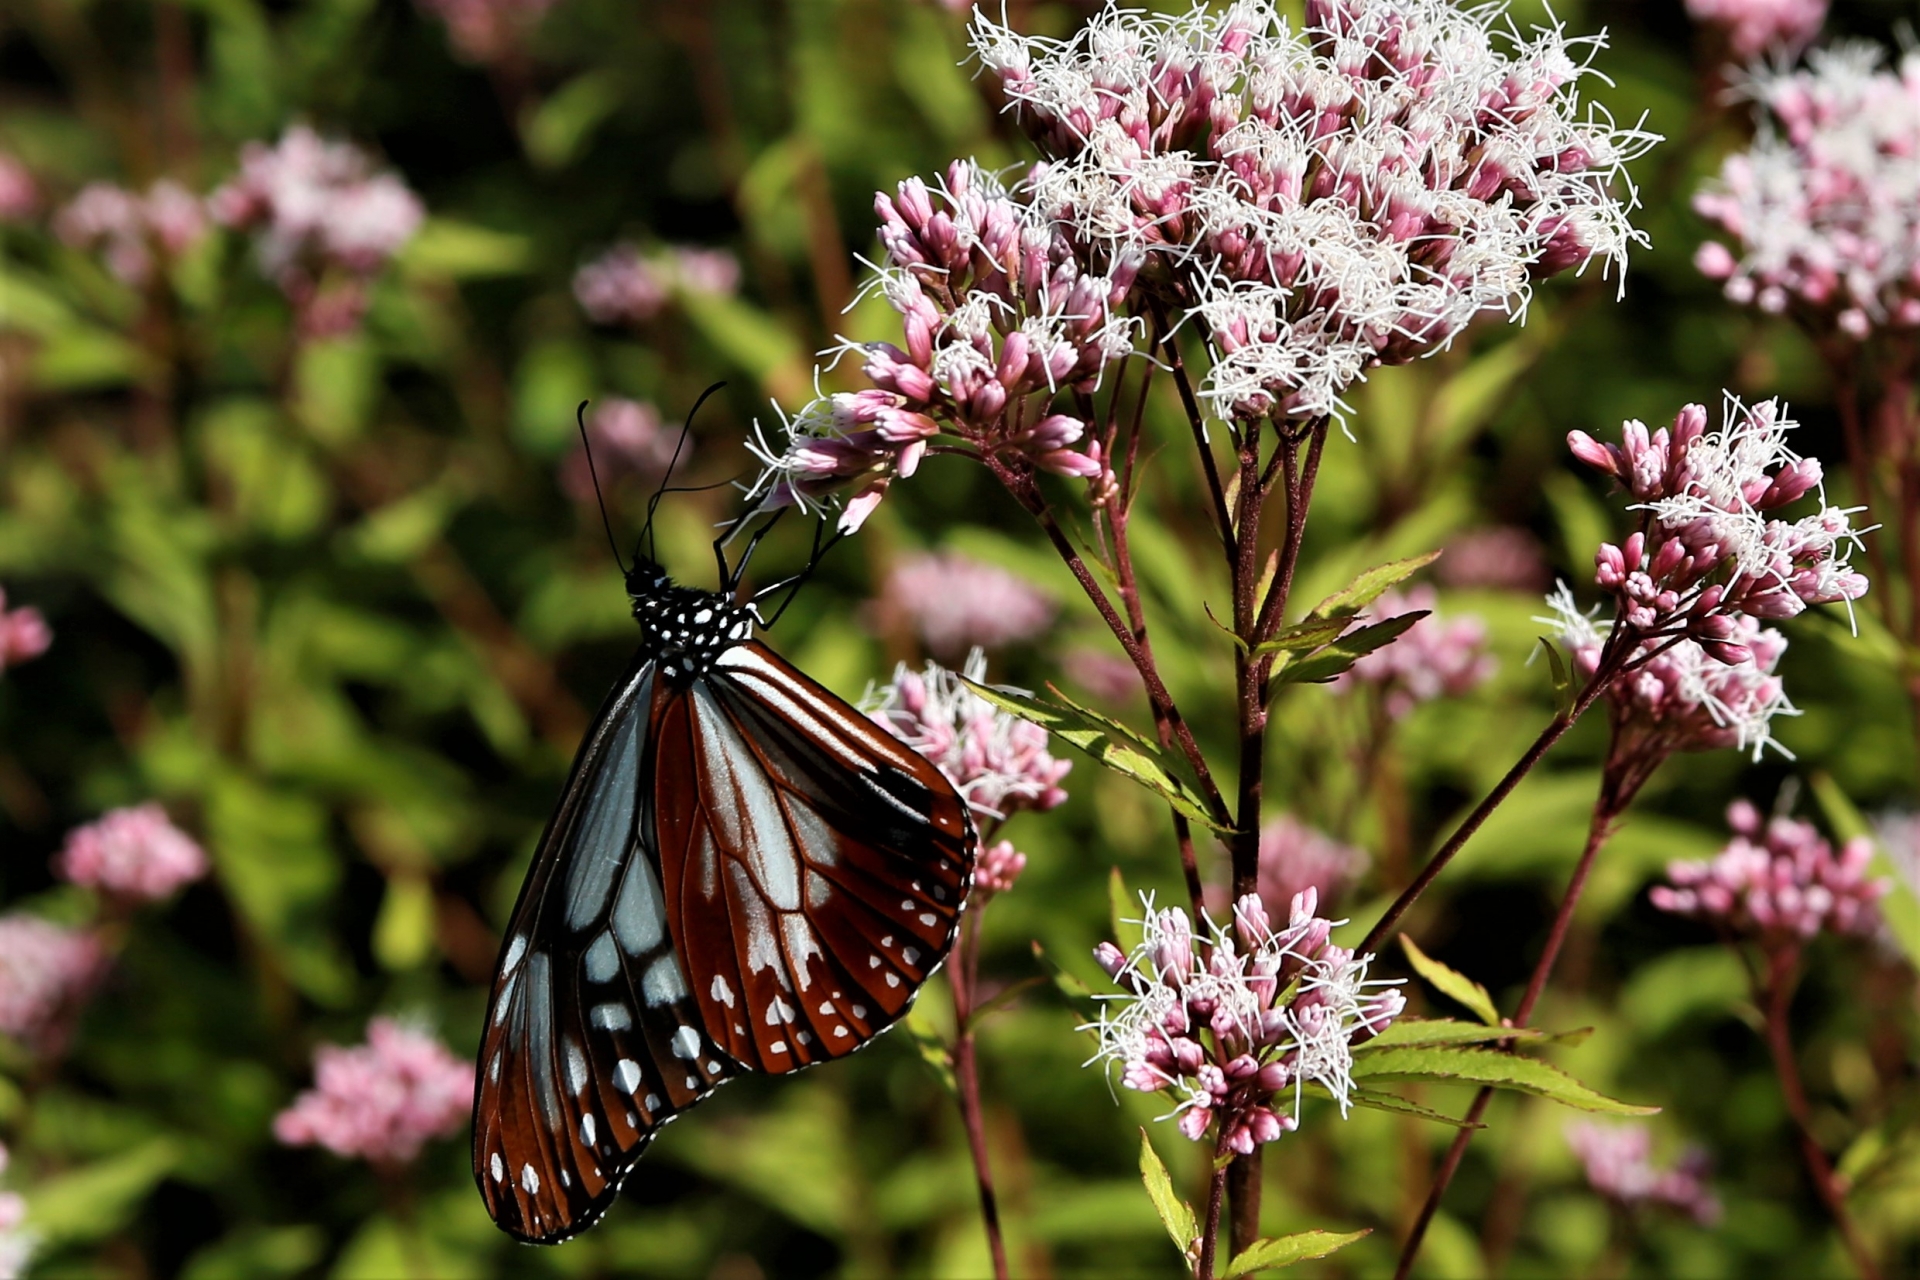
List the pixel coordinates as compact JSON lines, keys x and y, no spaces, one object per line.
{"x":1618,"y":1163}
{"x":1106,"y":675}
{"x":1229,"y":1021}
{"x":1675,"y":696}
{"x":381,"y":1101}
{"x":1333,"y":197}
{"x":999,"y":866}
{"x":19,"y":193}
{"x":486,"y":31}
{"x":1709,"y":547}
{"x":1750,"y":28}
{"x":129,"y":228}
{"x":999,"y":762}
{"x":132,"y":853}
{"x":1295,"y":857}
{"x":46,"y":971}
{"x":956,"y":603}
{"x":327,"y":223}
{"x":1779,"y":881}
{"x":625,"y":286}
{"x":1823,"y":211}
{"x":1432,"y":658}
{"x":24,"y":634}
{"x":998,"y":316}
{"x":17,"y":1244}
{"x":1500,"y":558}
{"x":628,"y":439}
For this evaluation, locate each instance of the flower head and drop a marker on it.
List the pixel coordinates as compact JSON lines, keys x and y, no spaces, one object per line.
{"x":46,"y":972}
{"x":326,"y":223}
{"x":1822,"y":214}
{"x":133,"y":853}
{"x":1618,"y":1164}
{"x":620,"y":287}
{"x":1778,"y":881}
{"x":999,"y":866}
{"x":1502,"y":558}
{"x":19,"y":193}
{"x":1432,"y":658}
{"x":24,"y":634}
{"x":1295,"y":857}
{"x":956,"y":603}
{"x":1107,"y":675}
{"x":998,"y":761}
{"x":1750,"y":28}
{"x":129,"y":229}
{"x":486,"y":31}
{"x":628,"y":439}
{"x":1232,"y":1020}
{"x":383,"y":1100}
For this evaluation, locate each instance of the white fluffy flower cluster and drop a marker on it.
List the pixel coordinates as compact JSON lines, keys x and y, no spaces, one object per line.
{"x":1333,"y":196}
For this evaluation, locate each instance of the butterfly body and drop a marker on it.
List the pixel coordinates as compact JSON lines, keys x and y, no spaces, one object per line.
{"x":743,"y":873}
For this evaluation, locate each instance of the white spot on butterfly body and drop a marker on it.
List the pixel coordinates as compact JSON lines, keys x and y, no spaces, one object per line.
{"x":611,"y":1017}
{"x":530,"y":1179}
{"x":587,"y":1131}
{"x":721,"y":991}
{"x":626,"y":1074}
{"x":686,"y":1043}
{"x":499,"y":1168}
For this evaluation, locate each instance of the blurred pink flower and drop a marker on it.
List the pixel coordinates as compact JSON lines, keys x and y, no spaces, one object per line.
{"x":1779,"y":881}
{"x":620,"y":287}
{"x":1618,"y":1166}
{"x":705,"y":270}
{"x":1501,"y":557}
{"x":127,"y":228}
{"x":1108,"y":676}
{"x":1822,"y":213}
{"x":1295,"y":857}
{"x":999,"y":866}
{"x":484,"y":31}
{"x":326,"y":223}
{"x":24,"y":634}
{"x":134,"y":853}
{"x":999,"y":762}
{"x":381,"y":1101}
{"x":628,"y":440}
{"x":1751,"y":28}
{"x":19,"y":194}
{"x":1433,"y":657}
{"x":955,"y":603}
{"x":46,"y":972}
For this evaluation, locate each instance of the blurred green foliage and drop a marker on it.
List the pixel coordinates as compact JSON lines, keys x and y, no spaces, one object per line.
{"x":326,"y":601}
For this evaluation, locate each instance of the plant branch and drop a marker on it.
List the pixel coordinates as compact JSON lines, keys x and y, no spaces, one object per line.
{"x":1210,"y":1233}
{"x":966,"y":1078}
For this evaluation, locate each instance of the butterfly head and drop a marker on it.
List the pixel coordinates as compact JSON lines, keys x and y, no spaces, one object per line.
{"x":685,"y":629}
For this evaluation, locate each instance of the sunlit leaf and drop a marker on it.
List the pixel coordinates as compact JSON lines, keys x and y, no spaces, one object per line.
{"x":1284,"y":1251}
{"x":1174,"y":1213}
{"x":1451,"y":983}
{"x":1490,"y":1067}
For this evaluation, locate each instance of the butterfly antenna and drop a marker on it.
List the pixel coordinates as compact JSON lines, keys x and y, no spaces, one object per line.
{"x":653,"y":503}
{"x":580,"y":417}
{"x":792,"y":585}
{"x":732,"y":578}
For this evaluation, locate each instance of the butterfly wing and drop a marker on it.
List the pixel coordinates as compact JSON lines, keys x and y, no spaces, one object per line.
{"x":814,"y":866}
{"x":592,"y":1041}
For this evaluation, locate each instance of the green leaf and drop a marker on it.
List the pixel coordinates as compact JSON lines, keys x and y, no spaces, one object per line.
{"x":1070,"y":986}
{"x":1173,"y":1211}
{"x":1110,"y":743}
{"x":1562,"y":676}
{"x":1325,"y":663}
{"x":1302,"y":636}
{"x":1126,"y":935}
{"x":1406,"y":1032}
{"x":403,"y":931}
{"x":1380,"y":1100}
{"x":1370,"y":586}
{"x":1002,"y":998}
{"x":1451,"y":983}
{"x":933,"y":1050}
{"x":98,"y":1199}
{"x":1490,"y":1067}
{"x":461,"y":250}
{"x":558,"y":130}
{"x":1284,"y":1251}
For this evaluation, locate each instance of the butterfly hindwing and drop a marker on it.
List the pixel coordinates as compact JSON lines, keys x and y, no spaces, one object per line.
{"x":592,"y":1040}
{"x":814,"y":866}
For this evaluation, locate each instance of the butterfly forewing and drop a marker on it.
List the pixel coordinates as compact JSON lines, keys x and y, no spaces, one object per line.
{"x":592,"y":1041}
{"x":814,"y":866}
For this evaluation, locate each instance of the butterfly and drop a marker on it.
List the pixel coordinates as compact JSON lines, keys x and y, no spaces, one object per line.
{"x":744,"y":873}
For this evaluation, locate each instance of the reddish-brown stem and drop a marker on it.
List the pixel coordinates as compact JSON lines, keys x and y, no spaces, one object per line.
{"x":1616,"y":792}
{"x":966,"y":1079}
{"x":1216,"y":491}
{"x":1860,"y":462}
{"x":1777,"y":999}
{"x":1210,"y":1233}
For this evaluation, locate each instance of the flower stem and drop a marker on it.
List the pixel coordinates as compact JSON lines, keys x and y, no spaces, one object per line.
{"x":966,"y":1078}
{"x":1776,"y":1000}
{"x":1210,"y":1234}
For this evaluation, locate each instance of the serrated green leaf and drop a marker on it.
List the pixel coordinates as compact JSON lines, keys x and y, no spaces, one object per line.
{"x":1325,"y":663}
{"x":1307,"y":634}
{"x":1110,"y":743}
{"x":1453,"y":984}
{"x":1284,"y":1251}
{"x":1406,"y":1032}
{"x":1370,"y":586}
{"x":1491,"y":1067}
{"x":1174,"y":1213}
{"x":1380,"y":1100}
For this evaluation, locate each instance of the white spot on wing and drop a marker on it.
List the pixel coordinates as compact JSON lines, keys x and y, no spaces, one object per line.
{"x":516,"y":949}
{"x":929,"y":919}
{"x":721,"y":991}
{"x":602,"y":960}
{"x":686,"y":1043}
{"x":499,"y":1168}
{"x":662,"y":983}
{"x":576,"y":1067}
{"x":801,"y":943}
{"x":530,"y":1179}
{"x":587,"y":1131}
{"x":640,"y":913}
{"x":611,"y":1017}
{"x":626,"y":1074}
{"x":778,"y":1012}
{"x":652,"y":1103}
{"x":911,"y":955}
